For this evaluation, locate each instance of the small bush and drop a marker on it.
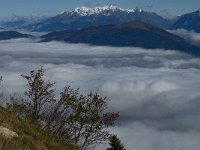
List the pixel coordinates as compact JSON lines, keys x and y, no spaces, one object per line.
{"x":115,"y":143}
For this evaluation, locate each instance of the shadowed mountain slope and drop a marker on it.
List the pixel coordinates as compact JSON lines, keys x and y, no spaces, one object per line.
{"x":132,"y":34}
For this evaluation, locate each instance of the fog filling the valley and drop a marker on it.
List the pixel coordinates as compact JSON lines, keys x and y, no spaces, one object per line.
{"x":155,"y":91}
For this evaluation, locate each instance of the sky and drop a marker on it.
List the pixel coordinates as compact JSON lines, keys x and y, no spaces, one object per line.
{"x":155,"y":91}
{"x":52,"y":7}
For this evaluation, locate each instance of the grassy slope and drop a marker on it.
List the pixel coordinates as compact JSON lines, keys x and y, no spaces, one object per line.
{"x":30,"y":137}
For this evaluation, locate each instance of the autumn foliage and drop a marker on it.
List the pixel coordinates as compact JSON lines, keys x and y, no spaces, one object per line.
{"x":81,"y":119}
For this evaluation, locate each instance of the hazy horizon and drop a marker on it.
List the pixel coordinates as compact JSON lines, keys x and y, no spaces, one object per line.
{"x":50,"y":7}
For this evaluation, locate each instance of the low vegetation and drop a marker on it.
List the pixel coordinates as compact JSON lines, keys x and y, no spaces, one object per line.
{"x":27,"y":135}
{"x":115,"y":143}
{"x":50,"y":122}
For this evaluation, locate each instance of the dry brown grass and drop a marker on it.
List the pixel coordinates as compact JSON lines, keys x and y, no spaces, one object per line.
{"x":30,"y":137}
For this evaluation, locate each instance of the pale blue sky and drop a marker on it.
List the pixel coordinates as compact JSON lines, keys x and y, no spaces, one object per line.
{"x":51,"y":7}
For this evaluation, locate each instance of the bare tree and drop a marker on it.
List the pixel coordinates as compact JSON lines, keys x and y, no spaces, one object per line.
{"x":3,"y":97}
{"x":40,"y":94}
{"x":74,"y":117}
{"x":1,"y":80}
{"x":1,"y":93}
{"x":82,"y":119}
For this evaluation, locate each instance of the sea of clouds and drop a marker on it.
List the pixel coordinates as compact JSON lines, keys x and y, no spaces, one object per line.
{"x":190,"y":36}
{"x":157,"y":92}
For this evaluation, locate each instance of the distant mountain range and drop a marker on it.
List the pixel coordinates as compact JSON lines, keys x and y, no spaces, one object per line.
{"x":189,"y":21}
{"x":136,"y":34}
{"x":7,"y":35}
{"x":20,"y":22}
{"x":107,"y":25}
{"x":131,"y":34}
{"x":82,"y":17}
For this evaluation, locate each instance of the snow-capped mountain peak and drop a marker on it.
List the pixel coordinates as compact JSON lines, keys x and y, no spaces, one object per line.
{"x":82,"y":17}
{"x":100,"y":9}
{"x":87,"y":11}
{"x":84,"y":11}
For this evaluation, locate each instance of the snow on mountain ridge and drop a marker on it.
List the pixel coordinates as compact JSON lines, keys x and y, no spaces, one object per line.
{"x":87,"y":11}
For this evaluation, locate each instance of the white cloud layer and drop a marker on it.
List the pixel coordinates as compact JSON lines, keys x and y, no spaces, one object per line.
{"x":155,"y":91}
{"x":189,"y":36}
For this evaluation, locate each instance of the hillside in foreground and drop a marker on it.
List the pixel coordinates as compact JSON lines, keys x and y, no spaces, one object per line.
{"x":18,"y":134}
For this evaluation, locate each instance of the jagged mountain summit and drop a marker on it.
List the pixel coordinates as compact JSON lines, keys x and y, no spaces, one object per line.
{"x":131,"y":34}
{"x":106,"y":9}
{"x":102,"y":15}
{"x":189,"y":21}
